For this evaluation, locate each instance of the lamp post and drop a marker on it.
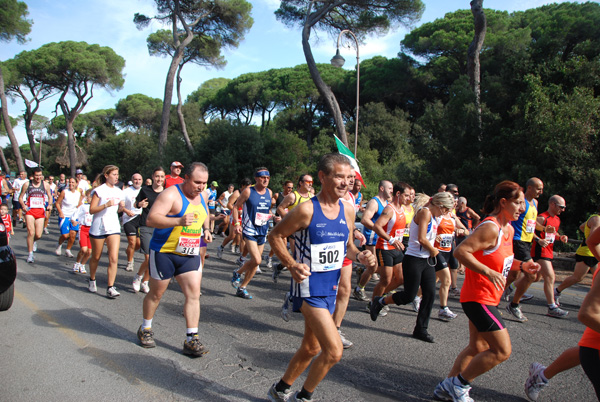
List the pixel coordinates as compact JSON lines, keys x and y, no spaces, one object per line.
{"x":338,"y":61}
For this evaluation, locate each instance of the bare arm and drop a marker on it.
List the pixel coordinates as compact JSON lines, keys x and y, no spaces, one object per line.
{"x":422,"y":219}
{"x":59,"y":203}
{"x":352,"y":253}
{"x":287,"y":201}
{"x":23,"y":191}
{"x":474,"y":216}
{"x":383,"y":219}
{"x":165,"y":202}
{"x":589,"y":313}
{"x":367,"y":219}
{"x":238,"y":204}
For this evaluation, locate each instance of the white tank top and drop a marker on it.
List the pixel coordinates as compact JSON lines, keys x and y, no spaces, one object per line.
{"x":414,"y":247}
{"x":70,"y":202}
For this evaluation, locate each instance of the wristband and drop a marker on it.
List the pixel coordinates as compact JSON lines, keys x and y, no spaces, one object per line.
{"x":236,"y":224}
{"x":357,"y":257}
{"x":392,"y":240}
{"x":521,"y":267}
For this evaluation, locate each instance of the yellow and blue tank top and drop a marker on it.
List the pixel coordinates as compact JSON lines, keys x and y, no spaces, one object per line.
{"x":583,"y":249}
{"x":525,"y":225}
{"x":299,"y":199}
{"x":182,"y":240}
{"x":321,"y":246}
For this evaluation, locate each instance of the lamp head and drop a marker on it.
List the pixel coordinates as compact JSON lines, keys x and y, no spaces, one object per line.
{"x":337,"y":60}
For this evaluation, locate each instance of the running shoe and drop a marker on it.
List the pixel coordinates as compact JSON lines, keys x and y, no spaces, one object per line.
{"x":258,"y":271}
{"x":359,"y":294}
{"x":445,"y":314}
{"x":276,"y":271}
{"x":526,"y":297}
{"x":243,"y":293}
{"x":130,"y":265}
{"x":375,"y":308}
{"x":269,"y":262}
{"x":194,"y":347}
{"x":416,"y":304}
{"x":92,"y":286}
{"x":375,"y":277}
{"x":146,"y":337}
{"x":297,"y":399}
{"x":345,"y":342}
{"x":34,"y":246}
{"x":423,"y":336}
{"x":516,"y":312}
{"x":46,"y":231}
{"x":534,"y":383}
{"x":507,"y":293}
{"x":58,"y":250}
{"x":76,"y":268}
{"x":30,"y":258}
{"x":237,"y":250}
{"x":240,"y":261}
{"x":233,"y":249}
{"x":220,"y":250}
{"x":82,"y":269}
{"x":276,"y":396}
{"x":384,"y":311}
{"x":452,"y":390}
{"x":557,"y":312}
{"x":112,"y":293}
{"x":454,"y":293}
{"x":556,"y":297}
{"x":146,"y":287}
{"x":68,"y":253}
{"x":236,"y":279}
{"x":137,"y":283}
{"x":285,"y":307}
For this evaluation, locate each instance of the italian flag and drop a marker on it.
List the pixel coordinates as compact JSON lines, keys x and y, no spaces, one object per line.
{"x":343,"y":149}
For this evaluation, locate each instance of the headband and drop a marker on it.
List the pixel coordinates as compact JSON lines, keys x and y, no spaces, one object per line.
{"x":262,"y":173}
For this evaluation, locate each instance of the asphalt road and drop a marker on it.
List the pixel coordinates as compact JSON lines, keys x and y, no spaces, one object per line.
{"x":59,"y":342}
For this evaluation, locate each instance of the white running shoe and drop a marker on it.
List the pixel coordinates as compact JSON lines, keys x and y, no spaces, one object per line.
{"x":451,"y":390}
{"x":220,"y":252}
{"x":30,"y":257}
{"x":145,"y":287}
{"x":46,"y":231}
{"x":68,"y":253}
{"x":130,"y":265}
{"x":92,"y":286}
{"x":416,"y":304}
{"x":446,"y":314}
{"x":82,"y":269}
{"x":58,"y":250}
{"x":112,"y":293}
{"x":346,"y":343}
{"x":76,"y":268}
{"x":534,"y":383}
{"x":34,"y":246}
{"x":269,"y":262}
{"x":258,"y":271}
{"x":137,"y":283}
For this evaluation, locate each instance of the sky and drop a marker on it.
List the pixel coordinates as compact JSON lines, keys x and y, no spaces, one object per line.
{"x":269,"y":44}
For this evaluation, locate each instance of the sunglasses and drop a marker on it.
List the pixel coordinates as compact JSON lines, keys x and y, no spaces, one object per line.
{"x":308,"y":182}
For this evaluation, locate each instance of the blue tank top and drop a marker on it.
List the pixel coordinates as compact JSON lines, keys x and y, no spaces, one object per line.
{"x":256,"y":213}
{"x":321,"y":246}
{"x":370,"y":234}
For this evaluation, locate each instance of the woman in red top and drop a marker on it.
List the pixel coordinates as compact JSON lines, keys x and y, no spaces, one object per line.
{"x":488,"y":255}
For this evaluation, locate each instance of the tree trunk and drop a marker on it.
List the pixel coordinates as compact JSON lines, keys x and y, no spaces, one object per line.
{"x":186,"y":137}
{"x":34,"y":151}
{"x":8,"y":127}
{"x":4,"y":162}
{"x":71,"y":145}
{"x":324,"y":90}
{"x":473,"y":63}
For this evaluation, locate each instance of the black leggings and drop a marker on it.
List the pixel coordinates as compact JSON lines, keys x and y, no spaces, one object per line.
{"x":417,"y":272}
{"x":590,"y":362}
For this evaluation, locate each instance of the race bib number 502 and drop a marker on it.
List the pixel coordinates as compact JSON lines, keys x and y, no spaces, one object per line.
{"x":326,"y":257}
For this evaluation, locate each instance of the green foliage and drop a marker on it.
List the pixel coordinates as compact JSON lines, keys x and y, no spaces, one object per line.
{"x":13,"y":24}
{"x":139,"y":111}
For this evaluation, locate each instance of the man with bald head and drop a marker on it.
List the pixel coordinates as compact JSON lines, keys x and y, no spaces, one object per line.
{"x":525,"y":228}
{"x":550,"y":223}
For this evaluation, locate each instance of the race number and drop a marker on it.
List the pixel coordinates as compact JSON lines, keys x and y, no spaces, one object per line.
{"x":508,"y":261}
{"x":36,"y":202}
{"x":446,"y":240}
{"x":188,"y":246}
{"x":530,"y":227}
{"x":327,"y":256}
{"x":261,"y":219}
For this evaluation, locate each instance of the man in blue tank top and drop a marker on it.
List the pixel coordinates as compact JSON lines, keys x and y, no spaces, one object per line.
{"x":323,"y":238}
{"x":255,"y":202}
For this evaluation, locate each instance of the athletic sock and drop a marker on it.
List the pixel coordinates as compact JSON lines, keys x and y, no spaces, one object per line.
{"x":382,"y":300}
{"x":304,"y":394}
{"x":282,"y":386}
{"x":514,"y":305}
{"x":147,"y":324}
{"x":552,"y":306}
{"x":556,"y":290}
{"x":462,"y":380}
{"x":191,"y":332}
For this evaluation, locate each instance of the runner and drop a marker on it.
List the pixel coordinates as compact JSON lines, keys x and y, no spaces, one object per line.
{"x":37,"y":191}
{"x":107,"y":202}
{"x":82,"y":183}
{"x":488,"y":256}
{"x":550,"y":221}
{"x":144,"y":200}
{"x":372,"y":211}
{"x":234,"y":237}
{"x":174,"y":177}
{"x":316,"y":273}
{"x":18,"y":184}
{"x":83,"y":218}
{"x":524,"y":234}
{"x":67,"y":203}
{"x":584,"y":259}
{"x":212,"y":204}
{"x":419,"y":262}
{"x":358,"y":197}
{"x":131,"y":219}
{"x":223,"y":200}
{"x":179,"y":216}
{"x":7,"y":221}
{"x":256,"y":202}
{"x":467,"y":216}
{"x":288,"y":187}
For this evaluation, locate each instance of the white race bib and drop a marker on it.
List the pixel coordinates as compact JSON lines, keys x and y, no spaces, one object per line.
{"x":87,"y":220}
{"x":111,"y":223}
{"x":550,"y":237}
{"x":188,"y":245}
{"x":530,"y":228}
{"x":36,"y":202}
{"x":326,"y":257}
{"x":446,"y":240}
{"x":399,"y":233}
{"x":261,"y":219}
{"x":407,"y":231}
{"x":211,"y":204}
{"x":508,"y":261}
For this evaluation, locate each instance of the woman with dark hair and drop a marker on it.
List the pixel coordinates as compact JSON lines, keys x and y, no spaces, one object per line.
{"x":107,"y":202}
{"x":488,"y":256}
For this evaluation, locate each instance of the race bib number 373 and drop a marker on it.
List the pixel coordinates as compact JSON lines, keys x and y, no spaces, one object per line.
{"x":326,"y":257}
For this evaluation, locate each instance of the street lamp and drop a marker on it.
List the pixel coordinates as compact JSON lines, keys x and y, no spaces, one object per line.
{"x":338,"y":61}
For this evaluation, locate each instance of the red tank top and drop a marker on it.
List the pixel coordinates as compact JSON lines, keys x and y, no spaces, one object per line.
{"x":591,"y":338}
{"x":477,"y":287}
{"x":395,"y":228}
{"x":548,"y":251}
{"x":445,"y":231}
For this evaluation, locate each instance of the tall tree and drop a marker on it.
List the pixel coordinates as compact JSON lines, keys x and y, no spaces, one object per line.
{"x":362,"y":17}
{"x":224,"y":21}
{"x":74,"y":69}
{"x":473,"y":64}
{"x":13,"y":25}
